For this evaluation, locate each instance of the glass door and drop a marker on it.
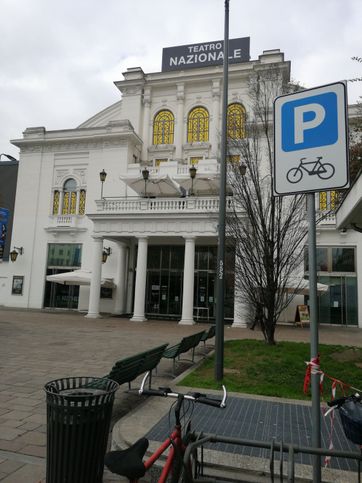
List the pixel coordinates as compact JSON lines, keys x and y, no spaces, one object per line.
{"x":339,"y":304}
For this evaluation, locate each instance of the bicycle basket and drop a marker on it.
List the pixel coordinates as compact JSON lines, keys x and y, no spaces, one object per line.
{"x":351,"y":417}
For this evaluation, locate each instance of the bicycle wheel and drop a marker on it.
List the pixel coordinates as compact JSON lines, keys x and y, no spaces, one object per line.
{"x":294,"y":175}
{"x":328,"y":171}
{"x":190,"y":472}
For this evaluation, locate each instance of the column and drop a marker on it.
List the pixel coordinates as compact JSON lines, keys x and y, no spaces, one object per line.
{"x":146,"y":123}
{"x":179,"y":127}
{"x":241,"y":311}
{"x":95,"y":286}
{"x":120,"y":281}
{"x":140,"y":289}
{"x":130,"y":278}
{"x":215,"y":135}
{"x":187,"y":317}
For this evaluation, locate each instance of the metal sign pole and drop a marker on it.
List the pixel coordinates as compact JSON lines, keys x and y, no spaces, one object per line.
{"x":312,"y":262}
{"x":219,"y":335}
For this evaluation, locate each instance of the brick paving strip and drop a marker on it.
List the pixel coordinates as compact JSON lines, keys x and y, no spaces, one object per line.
{"x":39,"y":346}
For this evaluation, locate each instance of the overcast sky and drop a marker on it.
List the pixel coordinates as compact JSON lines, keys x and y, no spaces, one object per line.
{"x":59,"y":58}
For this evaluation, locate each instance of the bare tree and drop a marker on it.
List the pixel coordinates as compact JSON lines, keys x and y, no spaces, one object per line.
{"x":267,"y":233}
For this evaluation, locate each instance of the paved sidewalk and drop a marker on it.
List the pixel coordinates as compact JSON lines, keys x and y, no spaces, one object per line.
{"x":38,"y":346}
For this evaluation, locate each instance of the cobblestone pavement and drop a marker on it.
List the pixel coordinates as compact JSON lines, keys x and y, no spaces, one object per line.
{"x":38,"y":346}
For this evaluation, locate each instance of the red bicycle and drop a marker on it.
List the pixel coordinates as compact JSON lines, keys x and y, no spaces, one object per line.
{"x":129,"y":462}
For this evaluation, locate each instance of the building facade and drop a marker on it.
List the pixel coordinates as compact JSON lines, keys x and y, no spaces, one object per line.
{"x":151,"y":215}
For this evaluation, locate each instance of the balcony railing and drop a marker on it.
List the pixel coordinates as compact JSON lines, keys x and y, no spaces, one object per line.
{"x":191,"y":204}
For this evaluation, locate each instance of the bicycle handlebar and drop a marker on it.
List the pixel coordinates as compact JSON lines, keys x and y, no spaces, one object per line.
{"x":340,"y":401}
{"x":196,"y":396}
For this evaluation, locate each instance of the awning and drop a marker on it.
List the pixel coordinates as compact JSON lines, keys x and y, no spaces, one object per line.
{"x":160,"y":186}
{"x":301,"y":287}
{"x":201,"y":185}
{"x":78,"y":277}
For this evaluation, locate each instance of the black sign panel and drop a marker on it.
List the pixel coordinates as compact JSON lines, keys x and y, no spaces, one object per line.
{"x":205,"y":54}
{"x":8,"y":179}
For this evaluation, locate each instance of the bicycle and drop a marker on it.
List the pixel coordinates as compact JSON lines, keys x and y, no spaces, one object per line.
{"x":322,"y":170}
{"x":129,"y":462}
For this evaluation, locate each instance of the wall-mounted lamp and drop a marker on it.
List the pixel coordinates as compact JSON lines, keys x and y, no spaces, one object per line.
{"x":242,"y":169}
{"x":145,"y":175}
{"x":102,"y":177}
{"x":193,"y":172}
{"x":105,"y":254}
{"x":16,"y":251}
{"x":10,"y":158}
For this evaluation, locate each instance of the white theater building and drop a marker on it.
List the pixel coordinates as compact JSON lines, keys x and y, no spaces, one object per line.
{"x":156,"y":223}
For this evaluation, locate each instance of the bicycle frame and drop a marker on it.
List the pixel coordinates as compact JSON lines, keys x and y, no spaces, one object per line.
{"x":173,"y":441}
{"x":317,"y":165}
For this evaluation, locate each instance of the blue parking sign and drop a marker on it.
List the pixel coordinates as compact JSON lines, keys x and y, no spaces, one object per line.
{"x":310,"y":140}
{"x":311,"y":122}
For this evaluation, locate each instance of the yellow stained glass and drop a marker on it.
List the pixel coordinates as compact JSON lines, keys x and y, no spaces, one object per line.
{"x":163,"y":128}
{"x":323,"y":200}
{"x":56,"y":198}
{"x":73,"y":203}
{"x":65,"y":209}
{"x":236,"y":121}
{"x":198,"y":125}
{"x":334,"y":195}
{"x":82,"y":196}
{"x":195,"y":160}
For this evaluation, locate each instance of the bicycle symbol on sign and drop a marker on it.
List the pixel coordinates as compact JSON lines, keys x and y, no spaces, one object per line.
{"x":322,"y":170}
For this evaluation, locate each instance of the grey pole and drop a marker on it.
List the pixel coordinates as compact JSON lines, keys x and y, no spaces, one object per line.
{"x":312,"y":259}
{"x":219,"y":336}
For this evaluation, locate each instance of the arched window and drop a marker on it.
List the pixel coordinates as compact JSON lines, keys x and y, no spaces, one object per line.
{"x":69,"y":200}
{"x":69,"y":197}
{"x":198,"y":125}
{"x":163,"y":128}
{"x":236,"y":121}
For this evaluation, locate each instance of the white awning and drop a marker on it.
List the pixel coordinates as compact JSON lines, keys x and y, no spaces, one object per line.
{"x":301,"y":287}
{"x":160,"y":186}
{"x":78,"y":277}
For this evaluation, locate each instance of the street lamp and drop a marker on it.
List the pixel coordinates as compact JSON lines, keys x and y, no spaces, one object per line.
{"x":242,"y":169}
{"x":105,"y":254}
{"x":16,"y":251}
{"x":10,"y":158}
{"x":102,"y":177}
{"x":193,"y":172}
{"x":146,"y":175}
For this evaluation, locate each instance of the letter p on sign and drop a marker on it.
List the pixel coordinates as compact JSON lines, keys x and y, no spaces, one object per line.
{"x":307,"y":121}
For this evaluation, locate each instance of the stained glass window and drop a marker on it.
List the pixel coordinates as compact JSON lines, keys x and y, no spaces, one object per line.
{"x":194,"y":161}
{"x":82,"y":202}
{"x":69,"y":197}
{"x":56,"y":198}
{"x":233,"y":158}
{"x":323,"y":200}
{"x":328,"y":200}
{"x":236,"y":121}
{"x":198,"y":125}
{"x":163,"y":128}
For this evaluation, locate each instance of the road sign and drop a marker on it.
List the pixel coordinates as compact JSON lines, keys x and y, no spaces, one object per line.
{"x":310,"y":140}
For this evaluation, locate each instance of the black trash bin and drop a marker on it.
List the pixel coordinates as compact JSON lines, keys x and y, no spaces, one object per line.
{"x":79,"y":413}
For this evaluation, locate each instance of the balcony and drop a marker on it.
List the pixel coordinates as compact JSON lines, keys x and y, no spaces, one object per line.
{"x":187,"y":205}
{"x":66,"y":223}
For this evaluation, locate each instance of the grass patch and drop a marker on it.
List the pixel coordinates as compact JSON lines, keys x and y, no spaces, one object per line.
{"x":251,"y":366}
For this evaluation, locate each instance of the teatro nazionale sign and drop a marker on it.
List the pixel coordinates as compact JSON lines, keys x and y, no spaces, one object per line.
{"x":205,"y":54}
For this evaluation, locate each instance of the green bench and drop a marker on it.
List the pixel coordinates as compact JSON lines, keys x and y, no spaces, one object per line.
{"x":186,"y":344}
{"x":208,"y":334}
{"x":126,"y":370}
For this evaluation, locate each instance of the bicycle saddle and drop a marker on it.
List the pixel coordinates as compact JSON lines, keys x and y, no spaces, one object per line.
{"x":128,"y":462}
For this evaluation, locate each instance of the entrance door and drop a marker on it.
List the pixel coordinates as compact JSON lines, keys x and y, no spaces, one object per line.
{"x":164,"y":293}
{"x":338,"y":305}
{"x":60,"y":296}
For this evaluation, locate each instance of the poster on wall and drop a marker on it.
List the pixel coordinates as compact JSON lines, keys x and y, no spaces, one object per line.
{"x":18,"y":283}
{"x":4,"y":220}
